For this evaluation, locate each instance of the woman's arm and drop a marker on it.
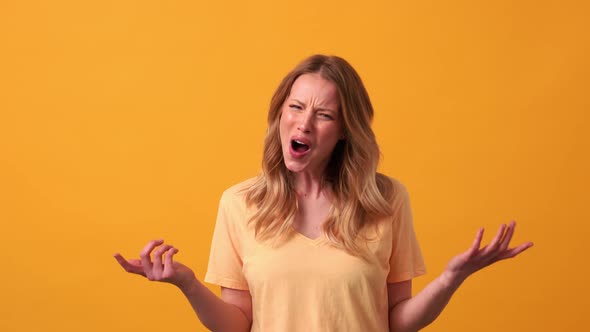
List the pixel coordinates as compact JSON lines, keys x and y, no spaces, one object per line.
{"x":232,"y":312}
{"x":412,"y":314}
{"x":409,"y":313}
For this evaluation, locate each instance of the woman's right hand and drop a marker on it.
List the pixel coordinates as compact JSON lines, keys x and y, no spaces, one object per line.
{"x":156,"y":263}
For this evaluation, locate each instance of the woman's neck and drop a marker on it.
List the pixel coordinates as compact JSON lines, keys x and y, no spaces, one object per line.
{"x":309,"y":185}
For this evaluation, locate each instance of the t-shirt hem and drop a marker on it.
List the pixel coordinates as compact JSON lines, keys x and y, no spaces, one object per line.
{"x":225,"y":282}
{"x":407,"y":276}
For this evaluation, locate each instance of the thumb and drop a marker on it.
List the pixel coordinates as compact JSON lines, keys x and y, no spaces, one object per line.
{"x":131,"y":266}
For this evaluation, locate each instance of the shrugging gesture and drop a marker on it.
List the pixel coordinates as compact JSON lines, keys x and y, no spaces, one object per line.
{"x":318,"y":189}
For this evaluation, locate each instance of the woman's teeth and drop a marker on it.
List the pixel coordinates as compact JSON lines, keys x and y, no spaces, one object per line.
{"x":299,"y":146}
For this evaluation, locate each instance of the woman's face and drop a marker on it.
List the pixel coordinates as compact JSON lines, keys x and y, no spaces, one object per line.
{"x":310,"y":124}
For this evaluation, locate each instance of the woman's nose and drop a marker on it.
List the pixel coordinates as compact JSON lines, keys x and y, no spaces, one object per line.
{"x":305,"y":122}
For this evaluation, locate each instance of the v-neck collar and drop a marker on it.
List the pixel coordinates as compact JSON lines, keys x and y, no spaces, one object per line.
{"x":314,"y":241}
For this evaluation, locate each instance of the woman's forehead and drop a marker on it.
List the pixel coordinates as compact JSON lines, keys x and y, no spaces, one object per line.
{"x":314,"y":88}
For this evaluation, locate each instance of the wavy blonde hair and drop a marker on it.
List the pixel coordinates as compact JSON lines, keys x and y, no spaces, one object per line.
{"x":361,"y":196}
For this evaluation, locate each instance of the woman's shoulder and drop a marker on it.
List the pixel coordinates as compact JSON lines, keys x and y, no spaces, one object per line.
{"x":391,"y":188}
{"x":393,"y":181}
{"x":236,"y":194}
{"x":240,"y":187}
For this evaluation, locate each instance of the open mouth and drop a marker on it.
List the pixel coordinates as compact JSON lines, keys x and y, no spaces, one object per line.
{"x":299,"y":146}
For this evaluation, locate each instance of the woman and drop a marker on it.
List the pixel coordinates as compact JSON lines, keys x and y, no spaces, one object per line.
{"x":319,"y":241}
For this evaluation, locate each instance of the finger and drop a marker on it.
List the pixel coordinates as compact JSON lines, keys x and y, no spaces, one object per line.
{"x":476,"y":243}
{"x":507,"y":237}
{"x":145,"y":257}
{"x":515,"y":251}
{"x":128,"y":266}
{"x":169,"y":262}
{"x":157,"y":260}
{"x":493,"y":246}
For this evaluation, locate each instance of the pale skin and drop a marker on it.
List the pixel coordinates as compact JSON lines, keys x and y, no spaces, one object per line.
{"x":311,"y":113}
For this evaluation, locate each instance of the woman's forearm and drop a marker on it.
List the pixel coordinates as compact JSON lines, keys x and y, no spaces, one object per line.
{"x":415,"y":313}
{"x":213,"y":312}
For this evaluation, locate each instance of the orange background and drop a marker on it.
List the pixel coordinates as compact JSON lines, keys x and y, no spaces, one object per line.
{"x":123,"y":121}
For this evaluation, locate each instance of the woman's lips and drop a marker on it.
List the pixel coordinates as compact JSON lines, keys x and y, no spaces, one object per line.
{"x":299,"y":147}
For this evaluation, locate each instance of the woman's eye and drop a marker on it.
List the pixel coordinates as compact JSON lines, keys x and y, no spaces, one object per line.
{"x":325,"y":116}
{"x":296,"y":107}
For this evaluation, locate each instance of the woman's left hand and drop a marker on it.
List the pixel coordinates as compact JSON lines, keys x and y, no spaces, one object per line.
{"x":476,"y":258}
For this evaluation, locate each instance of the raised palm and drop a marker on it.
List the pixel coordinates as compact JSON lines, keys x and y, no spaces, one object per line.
{"x":156,"y":263}
{"x":476,"y":258}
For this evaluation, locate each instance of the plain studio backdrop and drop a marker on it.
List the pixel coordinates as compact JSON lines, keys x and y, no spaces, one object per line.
{"x":123,"y":121}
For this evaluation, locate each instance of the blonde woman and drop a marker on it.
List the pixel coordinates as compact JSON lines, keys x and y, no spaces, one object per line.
{"x":319,"y":241}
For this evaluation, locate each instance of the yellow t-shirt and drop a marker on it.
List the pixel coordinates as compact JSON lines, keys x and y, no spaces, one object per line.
{"x":308,"y":285}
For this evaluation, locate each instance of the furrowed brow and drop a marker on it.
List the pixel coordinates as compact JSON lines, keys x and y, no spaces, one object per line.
{"x":298,"y":101}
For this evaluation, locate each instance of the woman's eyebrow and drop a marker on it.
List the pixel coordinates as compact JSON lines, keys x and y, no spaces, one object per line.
{"x":298,"y":101}
{"x":317,"y":108}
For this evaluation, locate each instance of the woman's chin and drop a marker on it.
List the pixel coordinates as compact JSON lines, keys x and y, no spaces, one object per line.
{"x":295,"y":167}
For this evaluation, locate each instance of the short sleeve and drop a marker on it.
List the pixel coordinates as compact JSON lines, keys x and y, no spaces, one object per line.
{"x":406,"y":261}
{"x":225,"y":258}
